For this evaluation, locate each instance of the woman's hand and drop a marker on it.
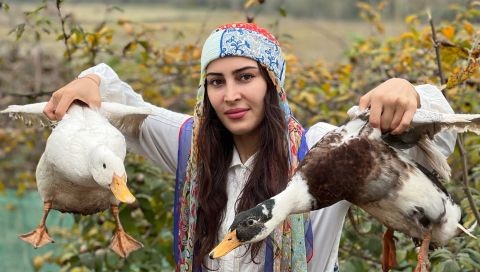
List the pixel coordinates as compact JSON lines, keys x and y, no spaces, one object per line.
{"x":392,"y":105}
{"x":85,"y":89}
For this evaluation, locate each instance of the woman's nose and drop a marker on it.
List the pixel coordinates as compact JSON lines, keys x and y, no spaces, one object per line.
{"x":232,"y":93}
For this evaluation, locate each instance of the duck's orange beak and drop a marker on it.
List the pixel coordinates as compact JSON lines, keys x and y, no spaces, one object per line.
{"x":229,"y":243}
{"x":120,"y":190}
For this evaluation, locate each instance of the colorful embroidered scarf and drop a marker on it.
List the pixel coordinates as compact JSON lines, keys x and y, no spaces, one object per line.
{"x":291,"y":247}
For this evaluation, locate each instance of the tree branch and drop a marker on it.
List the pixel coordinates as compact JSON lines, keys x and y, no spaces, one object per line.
{"x":28,"y":95}
{"x":65,"y":35}
{"x":466,"y":186}
{"x":436,"y":45}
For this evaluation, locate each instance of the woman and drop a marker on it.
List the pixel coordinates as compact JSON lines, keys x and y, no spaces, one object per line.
{"x":244,"y":145}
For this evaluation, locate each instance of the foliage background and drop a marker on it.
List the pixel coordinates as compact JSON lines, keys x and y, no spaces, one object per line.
{"x":53,"y":41}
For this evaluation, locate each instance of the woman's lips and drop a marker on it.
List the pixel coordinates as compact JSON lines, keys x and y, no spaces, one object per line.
{"x":236,"y":113}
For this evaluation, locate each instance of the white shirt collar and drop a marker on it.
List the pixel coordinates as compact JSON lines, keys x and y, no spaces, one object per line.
{"x":237,"y":162}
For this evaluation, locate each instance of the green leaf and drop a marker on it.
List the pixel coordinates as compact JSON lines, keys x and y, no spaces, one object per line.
{"x":115,"y":8}
{"x":451,"y":266}
{"x":19,"y":29}
{"x":4,"y":6}
{"x":282,"y":12}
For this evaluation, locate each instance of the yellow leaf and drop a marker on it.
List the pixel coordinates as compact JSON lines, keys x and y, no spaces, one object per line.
{"x":103,"y":31}
{"x":309,"y":98}
{"x":75,"y":37}
{"x":407,"y":35}
{"x":92,"y":232}
{"x":196,"y":53}
{"x":448,"y":31}
{"x":468,"y":27}
{"x":301,"y":83}
{"x":314,"y":76}
{"x":250,"y":3}
{"x":38,"y":262}
{"x":91,"y":39}
{"x":411,"y":19}
{"x":21,"y":189}
{"x":79,"y":269}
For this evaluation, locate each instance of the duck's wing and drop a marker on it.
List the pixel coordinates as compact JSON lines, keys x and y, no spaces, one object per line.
{"x":426,"y":123}
{"x":30,"y":114}
{"x":424,"y":126}
{"x":434,"y":122}
{"x":125,"y":118}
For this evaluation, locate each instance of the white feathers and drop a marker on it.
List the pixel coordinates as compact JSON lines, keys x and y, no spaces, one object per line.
{"x":289,"y":202}
{"x":31,"y":114}
{"x":82,"y":154}
{"x":418,"y":197}
{"x":433,"y":122}
{"x":434,"y":158}
{"x":125,"y":118}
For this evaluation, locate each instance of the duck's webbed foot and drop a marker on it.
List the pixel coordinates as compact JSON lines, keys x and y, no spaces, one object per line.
{"x":423,"y":264}
{"x":39,"y":236}
{"x":122,"y":243}
{"x":389,"y":252}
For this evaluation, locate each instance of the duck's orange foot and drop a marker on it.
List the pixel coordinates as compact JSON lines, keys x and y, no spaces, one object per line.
{"x":38,"y":237}
{"x":389,"y":252}
{"x":123,"y":244}
{"x":423,"y":264}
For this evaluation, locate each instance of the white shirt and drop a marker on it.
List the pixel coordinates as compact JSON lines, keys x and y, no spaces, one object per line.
{"x":158,"y":141}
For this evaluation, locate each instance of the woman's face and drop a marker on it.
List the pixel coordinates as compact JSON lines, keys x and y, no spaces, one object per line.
{"x":236,"y":90}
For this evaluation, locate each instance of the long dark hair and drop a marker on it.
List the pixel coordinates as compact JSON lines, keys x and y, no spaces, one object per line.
{"x":269,"y":175}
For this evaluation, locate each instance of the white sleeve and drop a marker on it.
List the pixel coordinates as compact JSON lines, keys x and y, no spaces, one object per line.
{"x":159,"y":134}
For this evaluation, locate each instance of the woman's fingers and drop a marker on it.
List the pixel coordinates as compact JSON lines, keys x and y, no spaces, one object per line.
{"x":376,"y":110}
{"x":49,"y":109}
{"x":364,"y":102}
{"x":85,"y":90}
{"x":62,"y":106}
{"x":392,"y":105}
{"x":407,"y":118}
{"x":386,"y":118}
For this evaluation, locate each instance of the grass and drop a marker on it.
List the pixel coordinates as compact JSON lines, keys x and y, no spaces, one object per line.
{"x":309,"y":39}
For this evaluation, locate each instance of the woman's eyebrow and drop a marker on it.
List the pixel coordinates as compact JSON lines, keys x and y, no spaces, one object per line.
{"x":214,"y":74}
{"x":243,"y":69}
{"x":239,"y":70}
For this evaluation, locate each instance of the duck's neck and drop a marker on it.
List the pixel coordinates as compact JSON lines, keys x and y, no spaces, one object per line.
{"x":294,"y":199}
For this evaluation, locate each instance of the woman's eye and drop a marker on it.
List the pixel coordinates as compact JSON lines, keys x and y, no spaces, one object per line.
{"x":215,"y":82}
{"x":246,"y":77}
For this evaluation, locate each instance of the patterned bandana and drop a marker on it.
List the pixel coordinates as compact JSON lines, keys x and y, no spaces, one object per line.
{"x":290,"y":252}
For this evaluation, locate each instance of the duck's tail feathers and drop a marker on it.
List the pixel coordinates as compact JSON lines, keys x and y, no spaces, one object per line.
{"x":30,"y":114}
{"x":468,"y":231}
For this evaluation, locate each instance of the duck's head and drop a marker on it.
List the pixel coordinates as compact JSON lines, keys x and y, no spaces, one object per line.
{"x":109,"y":172}
{"x":248,"y":227}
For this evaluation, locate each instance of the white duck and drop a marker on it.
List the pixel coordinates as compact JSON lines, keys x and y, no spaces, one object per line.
{"x":357,"y":163}
{"x":81,"y":170}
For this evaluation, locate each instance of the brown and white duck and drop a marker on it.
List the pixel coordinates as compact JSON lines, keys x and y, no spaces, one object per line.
{"x":355,"y":162}
{"x":81,"y":170}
